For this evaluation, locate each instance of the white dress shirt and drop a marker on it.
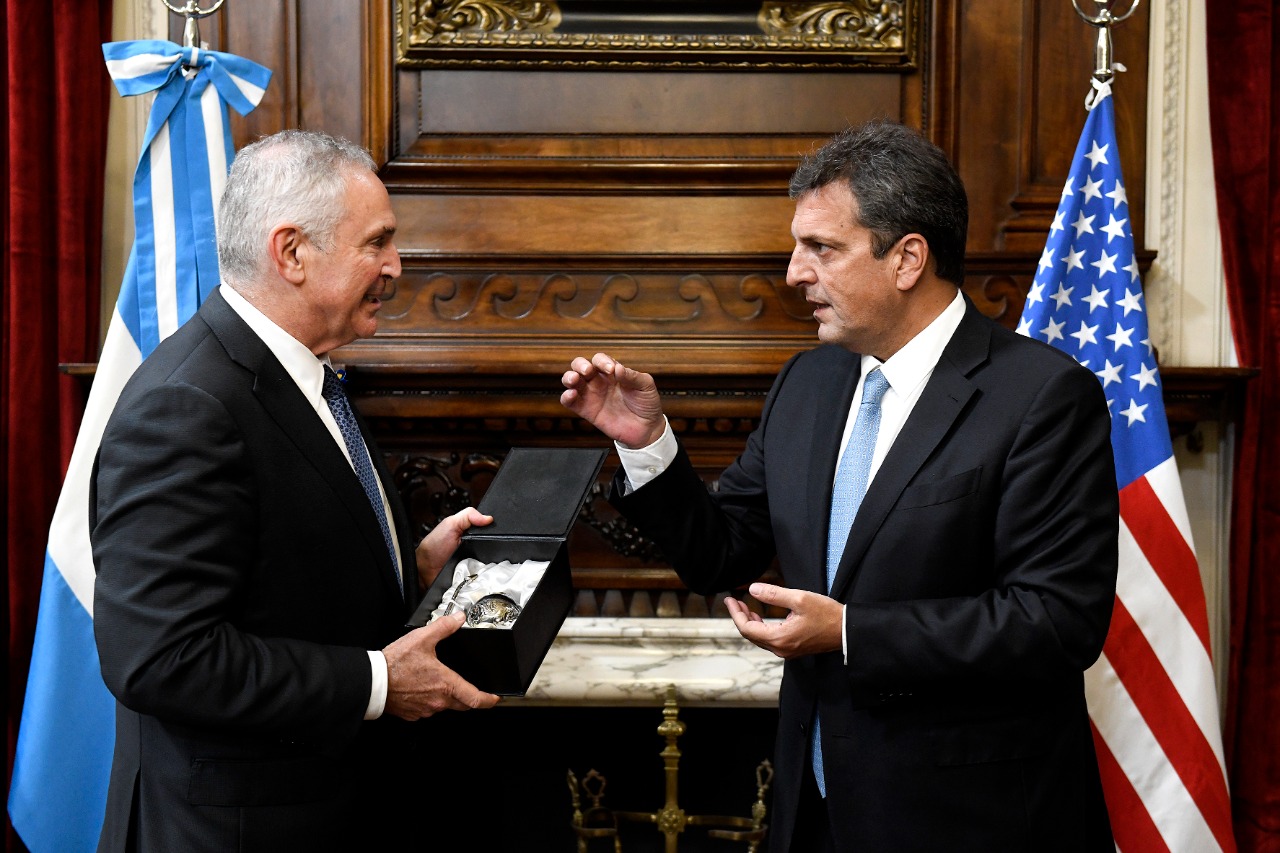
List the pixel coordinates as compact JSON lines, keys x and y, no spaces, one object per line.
{"x":307,"y":372}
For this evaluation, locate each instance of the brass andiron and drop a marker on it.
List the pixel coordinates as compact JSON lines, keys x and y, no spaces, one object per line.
{"x":598,"y":822}
{"x":595,"y":822}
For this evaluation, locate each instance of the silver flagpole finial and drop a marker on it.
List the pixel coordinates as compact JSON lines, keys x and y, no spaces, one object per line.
{"x":193,"y":13}
{"x":1104,"y":68}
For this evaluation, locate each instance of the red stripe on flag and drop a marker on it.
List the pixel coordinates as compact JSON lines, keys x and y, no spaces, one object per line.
{"x":1167,"y":551}
{"x":1170,"y":721}
{"x":1131,"y":824}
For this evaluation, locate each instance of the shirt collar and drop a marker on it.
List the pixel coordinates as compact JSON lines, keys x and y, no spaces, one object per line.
{"x":299,"y":362}
{"x":915,"y":361}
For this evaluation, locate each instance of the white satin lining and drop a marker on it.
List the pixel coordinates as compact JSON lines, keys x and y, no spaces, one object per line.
{"x":516,"y":581}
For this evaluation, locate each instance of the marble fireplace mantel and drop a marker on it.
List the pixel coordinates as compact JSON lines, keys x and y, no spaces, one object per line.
{"x":629,"y":661}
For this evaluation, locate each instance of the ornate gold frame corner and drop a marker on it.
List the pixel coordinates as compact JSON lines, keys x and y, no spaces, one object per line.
{"x":607,"y":34}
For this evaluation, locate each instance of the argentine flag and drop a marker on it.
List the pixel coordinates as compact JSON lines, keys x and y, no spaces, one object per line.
{"x":58,"y":794}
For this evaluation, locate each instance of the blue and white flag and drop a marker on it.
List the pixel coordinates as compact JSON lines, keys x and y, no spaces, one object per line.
{"x":1151,"y":695}
{"x":58,"y":794}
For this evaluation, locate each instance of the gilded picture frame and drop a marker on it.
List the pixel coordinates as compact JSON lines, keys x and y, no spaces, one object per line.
{"x":658,"y":34}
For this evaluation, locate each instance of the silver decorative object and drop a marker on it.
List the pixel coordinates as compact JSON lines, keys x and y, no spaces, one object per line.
{"x":453,"y":594}
{"x":496,"y":609}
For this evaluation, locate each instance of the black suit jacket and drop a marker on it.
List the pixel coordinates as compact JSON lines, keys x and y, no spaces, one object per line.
{"x":978,"y":579}
{"x":241,"y":577}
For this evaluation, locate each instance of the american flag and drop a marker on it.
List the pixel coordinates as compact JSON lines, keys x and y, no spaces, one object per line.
{"x":1152,"y":700}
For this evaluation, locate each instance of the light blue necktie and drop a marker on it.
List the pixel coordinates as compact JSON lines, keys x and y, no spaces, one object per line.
{"x":336,"y":397}
{"x":846,"y":497}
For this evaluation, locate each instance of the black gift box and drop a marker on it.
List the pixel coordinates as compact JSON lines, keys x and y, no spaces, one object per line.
{"x":534,"y":499}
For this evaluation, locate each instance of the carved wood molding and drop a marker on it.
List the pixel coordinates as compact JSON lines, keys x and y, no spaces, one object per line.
{"x":674,"y":314}
{"x":637,"y":300}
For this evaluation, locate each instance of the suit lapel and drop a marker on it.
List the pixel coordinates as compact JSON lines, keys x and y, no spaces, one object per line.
{"x":275,"y":389}
{"x":828,"y":427}
{"x":943,"y":399}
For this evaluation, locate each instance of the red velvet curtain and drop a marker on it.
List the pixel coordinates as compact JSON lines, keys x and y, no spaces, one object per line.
{"x":54,"y":162}
{"x":1244,"y":71}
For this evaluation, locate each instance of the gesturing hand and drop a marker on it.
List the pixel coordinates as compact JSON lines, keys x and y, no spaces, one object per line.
{"x":418,"y":685}
{"x":812,"y":626}
{"x":622,"y":403}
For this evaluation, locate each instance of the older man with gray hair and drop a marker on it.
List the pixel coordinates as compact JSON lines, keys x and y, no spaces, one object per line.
{"x":254,"y":567}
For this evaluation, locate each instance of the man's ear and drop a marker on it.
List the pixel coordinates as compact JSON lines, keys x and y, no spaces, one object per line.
{"x":912,"y":252}
{"x":288,"y":247}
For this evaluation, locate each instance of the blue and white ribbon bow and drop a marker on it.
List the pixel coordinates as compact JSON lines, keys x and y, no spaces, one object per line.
{"x":180,"y":175}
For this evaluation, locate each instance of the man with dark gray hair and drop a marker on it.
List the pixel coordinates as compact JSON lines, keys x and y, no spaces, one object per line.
{"x":940,"y":496}
{"x":254,"y":571}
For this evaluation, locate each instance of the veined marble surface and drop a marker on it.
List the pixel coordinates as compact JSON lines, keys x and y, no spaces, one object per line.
{"x":624,"y":661}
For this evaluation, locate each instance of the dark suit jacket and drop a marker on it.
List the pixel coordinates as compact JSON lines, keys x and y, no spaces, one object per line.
{"x":978,"y":576}
{"x":242,"y":575}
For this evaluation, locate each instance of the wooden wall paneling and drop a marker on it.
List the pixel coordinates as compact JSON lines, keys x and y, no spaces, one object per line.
{"x":575,"y":164}
{"x":330,"y":70}
{"x":408,"y":96}
{"x":940,"y":76}
{"x":333,"y":38}
{"x":265,"y":32}
{"x":553,"y":212}
{"x":545,"y":214}
{"x":986,"y":81}
{"x":625,"y":102}
{"x":587,"y":225}
{"x":378,"y":95}
{"x":576,"y":168}
{"x":1056,"y":64}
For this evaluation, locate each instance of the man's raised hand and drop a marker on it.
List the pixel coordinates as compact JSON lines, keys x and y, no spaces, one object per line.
{"x":622,"y":403}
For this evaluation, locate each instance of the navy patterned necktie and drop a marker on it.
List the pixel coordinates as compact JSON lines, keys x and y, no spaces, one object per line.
{"x":336,"y":397}
{"x":846,"y":497}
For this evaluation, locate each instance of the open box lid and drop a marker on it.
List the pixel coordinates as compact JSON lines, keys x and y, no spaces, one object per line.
{"x":538,"y":492}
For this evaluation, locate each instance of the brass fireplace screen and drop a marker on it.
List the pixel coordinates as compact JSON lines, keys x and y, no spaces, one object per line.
{"x":668,"y":34}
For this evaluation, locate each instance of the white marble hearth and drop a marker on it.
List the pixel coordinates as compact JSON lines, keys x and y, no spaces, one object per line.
{"x":623,"y":661}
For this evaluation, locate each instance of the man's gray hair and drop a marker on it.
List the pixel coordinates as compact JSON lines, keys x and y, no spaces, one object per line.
{"x":294,"y":176}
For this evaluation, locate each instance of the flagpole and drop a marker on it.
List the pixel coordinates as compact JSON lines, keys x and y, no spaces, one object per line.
{"x":193,"y":13}
{"x":1103,"y":69}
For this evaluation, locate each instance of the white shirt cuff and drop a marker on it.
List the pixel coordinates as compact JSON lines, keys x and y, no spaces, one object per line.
{"x":642,"y":465}
{"x":378,"y":695}
{"x":844,"y":634}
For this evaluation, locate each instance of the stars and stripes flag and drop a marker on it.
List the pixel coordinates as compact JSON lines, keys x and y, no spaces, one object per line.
{"x":57,"y":797}
{"x":1151,"y":695}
